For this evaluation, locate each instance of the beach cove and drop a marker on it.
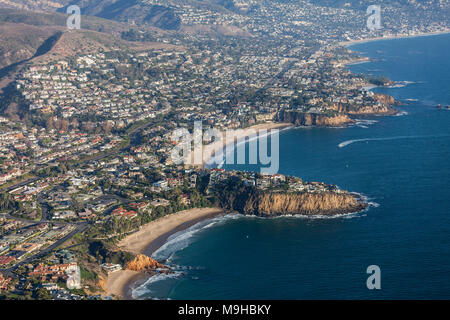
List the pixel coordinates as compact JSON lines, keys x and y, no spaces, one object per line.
{"x":148,"y":239}
{"x":399,"y":163}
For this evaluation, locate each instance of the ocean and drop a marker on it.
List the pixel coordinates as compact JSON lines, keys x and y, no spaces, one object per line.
{"x":401,"y":163}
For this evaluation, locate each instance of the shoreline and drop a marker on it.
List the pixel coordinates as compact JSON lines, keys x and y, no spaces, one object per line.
{"x":365,"y":59}
{"x":154,"y":235}
{"x":147,"y":240}
{"x":219,"y":147}
{"x":392,"y":37}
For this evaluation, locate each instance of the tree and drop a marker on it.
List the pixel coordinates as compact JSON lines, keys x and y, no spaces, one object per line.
{"x":7,"y":202}
{"x":42,"y":294}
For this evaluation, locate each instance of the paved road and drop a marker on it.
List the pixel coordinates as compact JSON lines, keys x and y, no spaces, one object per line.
{"x":20,"y":184}
{"x":79,"y":228}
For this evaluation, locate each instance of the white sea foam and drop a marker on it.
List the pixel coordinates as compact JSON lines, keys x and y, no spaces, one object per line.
{"x":402,"y":84}
{"x":175,"y":243}
{"x":311,"y":217}
{"x":401,"y":114}
{"x":221,"y":156}
{"x":373,"y":204}
{"x":367,"y":121}
{"x":357,"y":63}
{"x":182,"y":239}
{"x":366,"y":199}
{"x":364,"y":123}
{"x":143,"y":289}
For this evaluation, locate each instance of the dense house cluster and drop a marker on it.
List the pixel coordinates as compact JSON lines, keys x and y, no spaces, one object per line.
{"x":293,"y":20}
{"x":24,"y":241}
{"x":4,"y":283}
{"x":273,"y":182}
{"x":25,"y":149}
{"x":53,"y":272}
{"x":95,"y":158}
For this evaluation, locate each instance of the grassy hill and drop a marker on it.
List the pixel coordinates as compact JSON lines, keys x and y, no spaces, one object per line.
{"x":23,"y":32}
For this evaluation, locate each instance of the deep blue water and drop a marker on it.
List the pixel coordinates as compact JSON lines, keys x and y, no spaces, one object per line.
{"x":401,"y":163}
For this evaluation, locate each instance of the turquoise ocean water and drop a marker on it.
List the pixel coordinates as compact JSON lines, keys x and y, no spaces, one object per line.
{"x":401,"y":163}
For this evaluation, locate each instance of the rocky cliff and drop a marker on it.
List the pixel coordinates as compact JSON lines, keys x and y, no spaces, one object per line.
{"x":300,"y":118}
{"x":276,"y":204}
{"x":381,"y":108}
{"x":143,"y":263}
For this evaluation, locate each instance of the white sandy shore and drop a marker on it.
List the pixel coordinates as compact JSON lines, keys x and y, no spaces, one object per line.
{"x":148,"y":239}
{"x":425,"y":34}
{"x":215,"y":148}
{"x":117,"y":283}
{"x":153,"y":231}
{"x":153,"y":235}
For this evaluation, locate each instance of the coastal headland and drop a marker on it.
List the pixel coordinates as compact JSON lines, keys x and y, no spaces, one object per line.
{"x":230,"y":191}
{"x":267,"y":204}
{"x":391,"y":37}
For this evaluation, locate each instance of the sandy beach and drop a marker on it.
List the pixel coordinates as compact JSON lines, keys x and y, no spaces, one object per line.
{"x":153,"y":235}
{"x":425,"y":34}
{"x":209,"y":151}
{"x":118,"y":283}
{"x":148,"y":239}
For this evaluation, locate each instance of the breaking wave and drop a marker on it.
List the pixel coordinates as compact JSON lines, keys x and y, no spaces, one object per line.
{"x":219,"y":159}
{"x":144,"y":288}
{"x":401,"y":113}
{"x":364,"y":123}
{"x":180,"y":240}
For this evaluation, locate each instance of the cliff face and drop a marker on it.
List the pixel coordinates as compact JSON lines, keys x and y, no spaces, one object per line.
{"x":376,"y":109}
{"x":384,"y":98}
{"x":314,"y":119}
{"x":143,"y":263}
{"x":276,"y":204}
{"x":232,"y":194}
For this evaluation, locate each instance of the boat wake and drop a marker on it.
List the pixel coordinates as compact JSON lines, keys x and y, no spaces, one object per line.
{"x":349,"y":142}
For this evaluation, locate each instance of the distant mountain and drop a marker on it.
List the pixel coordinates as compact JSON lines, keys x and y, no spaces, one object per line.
{"x":363,"y":4}
{"x":34,"y":5}
{"x":131,"y":11}
{"x":20,"y":41}
{"x":24,"y":34}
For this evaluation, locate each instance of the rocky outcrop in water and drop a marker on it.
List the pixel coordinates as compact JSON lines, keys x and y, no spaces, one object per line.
{"x":381,"y":106}
{"x":276,"y":204}
{"x":340,"y":114}
{"x":233,"y":195}
{"x":144,"y":263}
{"x":300,"y":118}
